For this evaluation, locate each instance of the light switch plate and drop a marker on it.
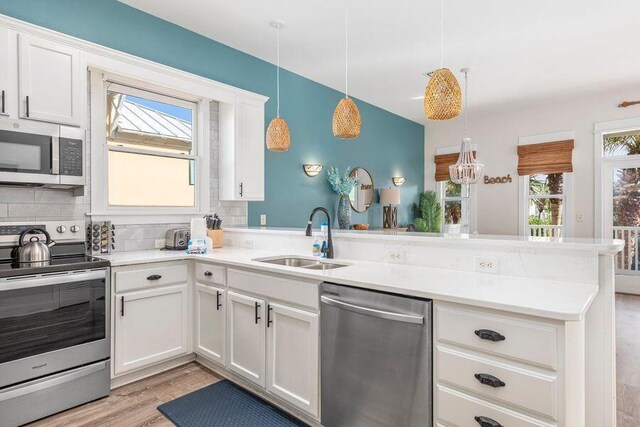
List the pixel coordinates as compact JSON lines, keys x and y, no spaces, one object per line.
{"x":159,"y":243}
{"x":263,"y":220}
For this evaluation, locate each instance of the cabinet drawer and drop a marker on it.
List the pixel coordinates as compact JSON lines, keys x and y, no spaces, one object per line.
{"x":150,"y":276}
{"x":526,"y":340}
{"x":207,"y":273}
{"x":290,"y":290}
{"x":458,"y":409}
{"x":526,"y":389}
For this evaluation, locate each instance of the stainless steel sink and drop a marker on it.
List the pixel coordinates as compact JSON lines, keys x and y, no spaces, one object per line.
{"x":301,"y":262}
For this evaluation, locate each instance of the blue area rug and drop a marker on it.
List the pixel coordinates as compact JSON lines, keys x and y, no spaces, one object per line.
{"x":225,"y":404}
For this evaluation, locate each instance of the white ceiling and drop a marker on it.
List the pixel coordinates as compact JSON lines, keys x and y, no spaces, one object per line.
{"x":518,"y":50}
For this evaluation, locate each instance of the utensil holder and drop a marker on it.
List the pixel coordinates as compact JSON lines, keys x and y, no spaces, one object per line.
{"x":217,"y":236}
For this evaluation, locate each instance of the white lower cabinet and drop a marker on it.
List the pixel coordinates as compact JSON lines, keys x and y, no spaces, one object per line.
{"x":247,"y":336}
{"x":292,"y":359}
{"x":151,"y":326}
{"x":210,"y":322}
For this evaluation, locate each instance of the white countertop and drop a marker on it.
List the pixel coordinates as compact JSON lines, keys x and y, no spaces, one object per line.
{"x":552,"y":299}
{"x":601,"y":246}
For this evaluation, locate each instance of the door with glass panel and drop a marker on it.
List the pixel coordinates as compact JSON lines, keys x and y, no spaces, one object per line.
{"x":621,"y":198}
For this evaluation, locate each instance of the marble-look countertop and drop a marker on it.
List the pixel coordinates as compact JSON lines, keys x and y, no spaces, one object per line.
{"x":552,"y":299}
{"x":601,"y":246}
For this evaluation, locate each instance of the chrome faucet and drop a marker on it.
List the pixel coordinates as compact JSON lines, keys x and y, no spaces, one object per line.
{"x":329,"y":248}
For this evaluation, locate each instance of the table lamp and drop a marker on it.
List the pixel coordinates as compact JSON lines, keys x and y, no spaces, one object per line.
{"x":389,"y":199}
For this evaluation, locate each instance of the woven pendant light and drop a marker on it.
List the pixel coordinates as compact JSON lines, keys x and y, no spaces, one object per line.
{"x":346,"y":117}
{"x":278,"y":138}
{"x":442,"y":96}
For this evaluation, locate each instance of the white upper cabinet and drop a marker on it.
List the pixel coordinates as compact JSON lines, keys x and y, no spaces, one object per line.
{"x":5,"y":72}
{"x":50,"y":83}
{"x":242,"y":150}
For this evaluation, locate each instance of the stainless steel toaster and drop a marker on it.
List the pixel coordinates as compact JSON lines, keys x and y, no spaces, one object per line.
{"x":177,"y":239}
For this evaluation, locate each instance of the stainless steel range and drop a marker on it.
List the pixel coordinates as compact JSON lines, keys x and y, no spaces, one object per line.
{"x":54,"y":324}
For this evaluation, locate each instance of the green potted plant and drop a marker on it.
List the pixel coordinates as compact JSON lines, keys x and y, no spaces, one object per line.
{"x":428,"y":213}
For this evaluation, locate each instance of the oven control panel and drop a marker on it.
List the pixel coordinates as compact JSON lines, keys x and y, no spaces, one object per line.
{"x":60,"y":231}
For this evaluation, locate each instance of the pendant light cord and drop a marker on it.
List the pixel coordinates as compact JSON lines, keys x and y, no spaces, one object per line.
{"x":278,"y":72}
{"x":466,"y":103}
{"x":441,"y":33}
{"x":346,"y":48}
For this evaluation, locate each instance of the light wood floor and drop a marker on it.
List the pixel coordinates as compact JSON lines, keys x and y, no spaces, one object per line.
{"x":135,"y":404}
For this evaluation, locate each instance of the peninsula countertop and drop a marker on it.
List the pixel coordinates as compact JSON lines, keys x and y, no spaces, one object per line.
{"x":553,"y":299}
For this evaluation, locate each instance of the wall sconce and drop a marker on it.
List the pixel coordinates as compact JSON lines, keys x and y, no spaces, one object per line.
{"x":312,"y":170}
{"x":399,"y":180}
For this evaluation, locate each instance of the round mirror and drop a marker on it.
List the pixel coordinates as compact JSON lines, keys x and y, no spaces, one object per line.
{"x":363,"y":193}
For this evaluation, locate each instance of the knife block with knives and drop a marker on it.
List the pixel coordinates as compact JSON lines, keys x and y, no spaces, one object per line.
{"x":214,"y":230}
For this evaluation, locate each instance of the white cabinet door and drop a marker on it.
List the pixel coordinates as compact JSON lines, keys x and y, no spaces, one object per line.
{"x":292,"y":361}
{"x":49,"y":81}
{"x":7,"y":61}
{"x":150,"y":326}
{"x":246,"y":337}
{"x":210,"y":322}
{"x":250,"y":148}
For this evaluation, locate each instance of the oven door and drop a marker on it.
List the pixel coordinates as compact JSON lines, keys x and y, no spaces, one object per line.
{"x":28,"y":157}
{"x":52,"y":322}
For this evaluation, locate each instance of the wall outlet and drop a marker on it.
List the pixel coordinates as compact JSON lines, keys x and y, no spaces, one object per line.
{"x":486,"y":265}
{"x":395,"y":256}
{"x":579,"y":217}
{"x":248,"y":243}
{"x":159,"y":243}
{"x":263,"y":220}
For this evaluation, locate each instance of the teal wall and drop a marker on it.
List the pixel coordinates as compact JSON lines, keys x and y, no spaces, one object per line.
{"x":389,"y":145}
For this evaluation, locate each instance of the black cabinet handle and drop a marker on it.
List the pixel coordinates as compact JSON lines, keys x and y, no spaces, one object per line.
{"x":257,"y":317}
{"x":3,"y":102}
{"x":269,"y":321}
{"x":218,"y":303}
{"x":241,"y":188}
{"x":208,"y":274}
{"x":487,"y":422}
{"x":27,"y":105}
{"x":489,"y":380}
{"x":154,"y":277}
{"x":122,"y":306}
{"x":489,"y":335}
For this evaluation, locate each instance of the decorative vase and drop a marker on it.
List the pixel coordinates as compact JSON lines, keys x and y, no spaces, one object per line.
{"x":344,"y":213}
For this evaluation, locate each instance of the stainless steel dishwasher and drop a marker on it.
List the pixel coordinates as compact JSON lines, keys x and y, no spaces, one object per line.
{"x":376,"y":359}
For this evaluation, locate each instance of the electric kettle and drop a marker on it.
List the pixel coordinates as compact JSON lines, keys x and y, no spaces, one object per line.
{"x":34,"y":251}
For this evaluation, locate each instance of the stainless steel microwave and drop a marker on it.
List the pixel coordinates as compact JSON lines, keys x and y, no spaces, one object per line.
{"x":41,"y":154}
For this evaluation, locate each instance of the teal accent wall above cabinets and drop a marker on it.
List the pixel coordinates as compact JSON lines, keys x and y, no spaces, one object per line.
{"x":388,"y":146}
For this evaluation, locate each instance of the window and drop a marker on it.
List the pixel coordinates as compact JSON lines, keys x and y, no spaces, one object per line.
{"x":151,"y":151}
{"x":545,"y":206}
{"x":621,"y":144}
{"x":455,"y":203}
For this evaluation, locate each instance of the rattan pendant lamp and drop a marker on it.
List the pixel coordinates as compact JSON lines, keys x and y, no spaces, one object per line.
{"x":442,"y":96}
{"x":346,"y":117}
{"x":278,"y":136}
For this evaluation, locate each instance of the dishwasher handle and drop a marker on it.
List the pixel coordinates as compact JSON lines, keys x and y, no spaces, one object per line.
{"x":382,"y":314}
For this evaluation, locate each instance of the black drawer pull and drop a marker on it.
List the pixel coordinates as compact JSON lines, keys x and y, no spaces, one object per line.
{"x":122,"y":306}
{"x":487,"y":422}
{"x":218,"y":303}
{"x":154,"y":277}
{"x":269,"y":321}
{"x":27,"y":106}
{"x":489,"y":380}
{"x":208,"y":274}
{"x":3,"y":111}
{"x":257,"y":317}
{"x":489,"y":335}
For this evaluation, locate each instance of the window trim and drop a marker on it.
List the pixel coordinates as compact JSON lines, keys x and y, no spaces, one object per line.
{"x":472,"y":205}
{"x":100,"y":81}
{"x":567,"y":187}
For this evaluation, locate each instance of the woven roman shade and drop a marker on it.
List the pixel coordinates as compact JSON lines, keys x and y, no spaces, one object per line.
{"x":547,"y":157}
{"x":443,"y":161}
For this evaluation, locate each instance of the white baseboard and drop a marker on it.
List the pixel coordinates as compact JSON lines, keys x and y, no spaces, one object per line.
{"x":628,"y":284}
